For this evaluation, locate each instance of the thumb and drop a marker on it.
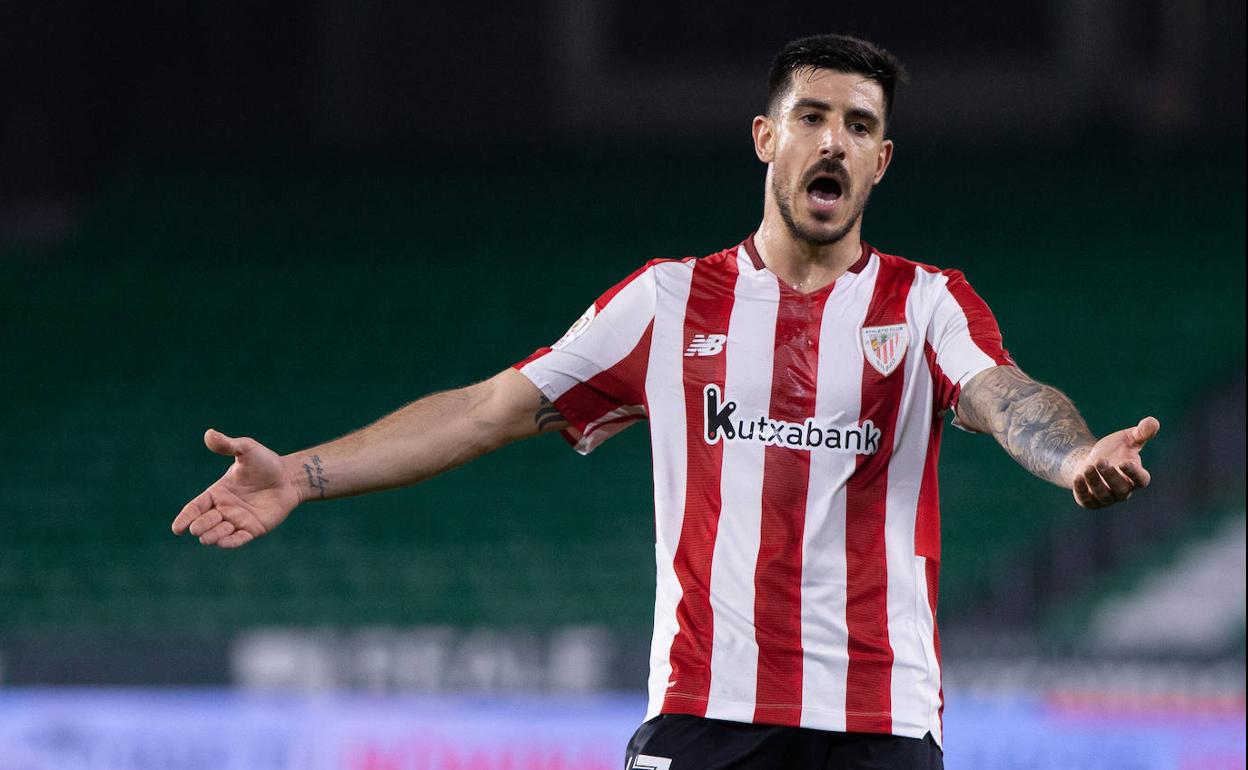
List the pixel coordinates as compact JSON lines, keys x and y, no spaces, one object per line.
{"x":1145,"y":431}
{"x":223,"y":444}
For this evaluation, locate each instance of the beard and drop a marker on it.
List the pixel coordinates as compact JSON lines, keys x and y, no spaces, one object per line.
{"x":806,"y":234}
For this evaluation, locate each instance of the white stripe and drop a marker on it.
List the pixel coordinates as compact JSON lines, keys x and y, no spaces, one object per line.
{"x":747,"y":381}
{"x":838,"y":401}
{"x":665,"y":394}
{"x":610,"y":336}
{"x":911,"y":677}
{"x":927,"y":631}
{"x":607,"y":426}
{"x":745,"y":265}
{"x":949,"y":333}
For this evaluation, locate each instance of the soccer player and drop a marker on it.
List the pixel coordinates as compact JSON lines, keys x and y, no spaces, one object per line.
{"x":795,"y":386}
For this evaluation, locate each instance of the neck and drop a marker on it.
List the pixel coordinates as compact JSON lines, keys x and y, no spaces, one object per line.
{"x":802,"y":265}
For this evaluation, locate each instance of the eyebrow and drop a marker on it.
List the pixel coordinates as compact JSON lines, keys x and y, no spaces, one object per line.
{"x":862,"y":114}
{"x":811,"y":103}
{"x":858,"y":113}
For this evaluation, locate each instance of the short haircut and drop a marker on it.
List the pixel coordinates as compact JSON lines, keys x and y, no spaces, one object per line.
{"x":835,"y":52}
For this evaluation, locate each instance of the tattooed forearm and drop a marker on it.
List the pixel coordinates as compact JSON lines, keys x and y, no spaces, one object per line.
{"x":547,"y":415}
{"x":316,"y":475}
{"x":1035,"y":423}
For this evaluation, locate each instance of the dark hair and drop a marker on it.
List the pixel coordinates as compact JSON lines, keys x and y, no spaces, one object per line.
{"x":835,"y":52}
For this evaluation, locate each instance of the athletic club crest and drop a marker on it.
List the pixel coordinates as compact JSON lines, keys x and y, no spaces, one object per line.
{"x":885,"y":346}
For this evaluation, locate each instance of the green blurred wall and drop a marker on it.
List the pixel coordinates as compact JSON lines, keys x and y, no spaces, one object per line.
{"x":295,"y":303}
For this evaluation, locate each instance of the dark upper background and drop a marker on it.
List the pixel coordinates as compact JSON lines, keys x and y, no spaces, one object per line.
{"x":90,"y":88}
{"x":284,"y":219}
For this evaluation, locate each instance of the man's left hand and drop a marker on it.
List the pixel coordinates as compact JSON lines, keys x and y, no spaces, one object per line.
{"x":1112,"y":470}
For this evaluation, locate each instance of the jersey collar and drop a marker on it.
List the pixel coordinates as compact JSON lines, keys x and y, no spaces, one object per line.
{"x":757,"y":261}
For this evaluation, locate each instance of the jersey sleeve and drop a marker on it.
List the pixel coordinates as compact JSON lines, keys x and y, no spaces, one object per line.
{"x":963,"y":339}
{"x":595,"y":375}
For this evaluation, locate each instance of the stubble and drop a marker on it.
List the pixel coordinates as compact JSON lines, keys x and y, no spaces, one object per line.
{"x":804,"y":234}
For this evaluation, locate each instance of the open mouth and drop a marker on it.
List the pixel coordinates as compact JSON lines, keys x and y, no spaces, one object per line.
{"x":824,"y":190}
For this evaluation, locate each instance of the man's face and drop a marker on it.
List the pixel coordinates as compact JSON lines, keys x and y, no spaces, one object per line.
{"x":824,"y":141}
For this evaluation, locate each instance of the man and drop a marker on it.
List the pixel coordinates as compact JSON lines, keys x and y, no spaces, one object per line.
{"x":795,"y":387}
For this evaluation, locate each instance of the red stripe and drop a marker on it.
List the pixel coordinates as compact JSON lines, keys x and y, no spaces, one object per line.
{"x":752,"y":251}
{"x":868,"y":701}
{"x":786,"y":477}
{"x":623,"y":384}
{"x":979,"y":319}
{"x":927,"y":520}
{"x":711,"y":294}
{"x":536,"y":354}
{"x":944,"y":390}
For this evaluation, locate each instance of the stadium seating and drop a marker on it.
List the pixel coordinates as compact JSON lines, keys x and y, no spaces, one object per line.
{"x":296,"y":306}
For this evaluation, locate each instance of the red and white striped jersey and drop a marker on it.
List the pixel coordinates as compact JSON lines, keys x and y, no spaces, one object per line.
{"x":795,"y":439}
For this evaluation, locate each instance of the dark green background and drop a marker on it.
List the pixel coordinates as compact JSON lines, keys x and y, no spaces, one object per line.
{"x":295,"y":302}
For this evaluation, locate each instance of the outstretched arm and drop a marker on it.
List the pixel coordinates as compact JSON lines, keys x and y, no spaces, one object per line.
{"x":1040,"y":428}
{"x":423,"y":439}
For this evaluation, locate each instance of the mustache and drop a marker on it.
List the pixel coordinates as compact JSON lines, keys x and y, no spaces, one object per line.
{"x":827,"y":167}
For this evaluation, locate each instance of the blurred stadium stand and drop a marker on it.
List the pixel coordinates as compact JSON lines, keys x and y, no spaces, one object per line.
{"x":1140,"y":619}
{"x":294,"y":308}
{"x":285,"y":220}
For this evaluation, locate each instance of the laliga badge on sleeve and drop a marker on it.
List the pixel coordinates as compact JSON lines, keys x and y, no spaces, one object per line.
{"x":577,"y":329}
{"x":885,"y":346}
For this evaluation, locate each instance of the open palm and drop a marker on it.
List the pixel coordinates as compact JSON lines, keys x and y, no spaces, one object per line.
{"x":252,"y":498}
{"x":1112,"y":471}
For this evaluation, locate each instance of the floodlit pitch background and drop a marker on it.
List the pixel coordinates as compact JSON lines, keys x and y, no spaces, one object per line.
{"x":285,"y":219}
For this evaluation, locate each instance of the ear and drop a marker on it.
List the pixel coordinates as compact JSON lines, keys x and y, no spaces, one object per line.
{"x":882,"y":160}
{"x":764,"y":138}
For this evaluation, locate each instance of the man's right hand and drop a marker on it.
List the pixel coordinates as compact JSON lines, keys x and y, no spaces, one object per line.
{"x":428,"y":436}
{"x":253,"y":497}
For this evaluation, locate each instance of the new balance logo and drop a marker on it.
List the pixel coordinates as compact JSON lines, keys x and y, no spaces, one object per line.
{"x":706,"y":344}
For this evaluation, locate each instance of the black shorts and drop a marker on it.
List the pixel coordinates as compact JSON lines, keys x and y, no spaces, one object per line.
{"x":680,"y":742}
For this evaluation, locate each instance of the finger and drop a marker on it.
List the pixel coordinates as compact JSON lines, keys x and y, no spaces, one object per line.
{"x":199,"y":504}
{"x":239,"y":537}
{"x":205,"y":522}
{"x":1083,"y":496}
{"x":216,"y":533}
{"x":1139,"y":477}
{"x":226,"y":445}
{"x":1119,"y":485}
{"x":1097,"y":486}
{"x":1144,"y":432}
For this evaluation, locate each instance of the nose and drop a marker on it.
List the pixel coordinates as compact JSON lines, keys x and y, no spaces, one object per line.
{"x":832,"y":142}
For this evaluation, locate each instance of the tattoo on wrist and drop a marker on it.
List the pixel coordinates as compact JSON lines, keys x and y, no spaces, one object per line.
{"x":1035,"y":423}
{"x":316,"y":475}
{"x":546,"y":414}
